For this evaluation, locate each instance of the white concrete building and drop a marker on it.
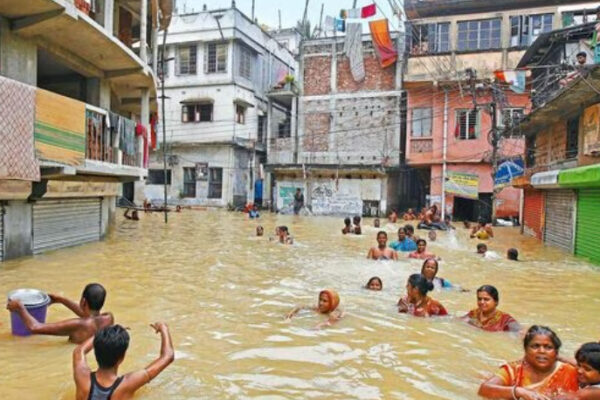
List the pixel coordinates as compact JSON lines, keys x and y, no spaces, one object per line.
{"x":220,"y":109}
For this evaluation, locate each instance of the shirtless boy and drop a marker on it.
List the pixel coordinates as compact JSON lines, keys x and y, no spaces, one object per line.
{"x":382,"y":252}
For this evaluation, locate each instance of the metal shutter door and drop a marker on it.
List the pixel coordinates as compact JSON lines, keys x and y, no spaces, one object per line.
{"x":65,"y":222}
{"x":533,"y":213}
{"x":558,"y":230}
{"x":588,"y":225}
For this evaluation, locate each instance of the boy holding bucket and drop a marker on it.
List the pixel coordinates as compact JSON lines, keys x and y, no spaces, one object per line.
{"x":77,"y":329}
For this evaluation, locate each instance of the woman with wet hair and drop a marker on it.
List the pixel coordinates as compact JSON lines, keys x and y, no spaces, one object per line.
{"x":429,"y":270}
{"x":416,"y":302}
{"x":487,"y":316}
{"x":539,"y":375}
{"x":375,"y":284}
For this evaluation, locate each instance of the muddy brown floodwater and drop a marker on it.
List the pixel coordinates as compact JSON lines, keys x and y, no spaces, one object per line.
{"x":224,"y":294}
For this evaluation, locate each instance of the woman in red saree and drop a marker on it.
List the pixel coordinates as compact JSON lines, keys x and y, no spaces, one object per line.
{"x":416,"y":302}
{"x":487,"y":316}
{"x":538,"y":376}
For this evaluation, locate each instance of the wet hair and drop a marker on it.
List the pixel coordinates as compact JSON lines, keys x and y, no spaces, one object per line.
{"x":110,"y":345}
{"x":492,"y":291}
{"x":541,"y":330}
{"x":382,"y":233}
{"x":347,"y":221}
{"x":437,"y":266}
{"x":284,"y":229}
{"x":356,"y":219}
{"x":409,"y":228}
{"x":420,"y":282}
{"x":481,"y":246}
{"x":513,"y":254}
{"x":375,"y":278}
{"x":401,"y":229}
{"x":589,"y":353}
{"x":422,"y":241}
{"x":582,"y":54}
{"x":94,"y":295}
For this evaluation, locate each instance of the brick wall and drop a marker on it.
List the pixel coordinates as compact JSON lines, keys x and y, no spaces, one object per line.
{"x":551,"y":145}
{"x":317,"y":75}
{"x":317,"y":132}
{"x":376,"y":78}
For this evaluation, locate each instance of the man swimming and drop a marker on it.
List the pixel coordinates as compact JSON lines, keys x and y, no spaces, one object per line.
{"x":77,"y":329}
{"x":382,"y":252}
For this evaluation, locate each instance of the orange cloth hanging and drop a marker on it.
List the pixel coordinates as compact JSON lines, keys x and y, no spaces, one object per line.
{"x":384,"y":47}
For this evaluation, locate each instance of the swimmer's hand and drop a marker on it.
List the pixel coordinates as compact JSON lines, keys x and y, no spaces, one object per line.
{"x":159,"y":327}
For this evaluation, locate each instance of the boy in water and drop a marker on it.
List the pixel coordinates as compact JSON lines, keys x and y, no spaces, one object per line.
{"x":347,"y":226}
{"x":357,"y":228}
{"x":482,"y":249}
{"x":110,"y":345}
{"x":588,"y":373}
{"x":381,"y":252}
{"x":260,"y":230}
{"x":77,"y":329}
{"x":376,"y":223}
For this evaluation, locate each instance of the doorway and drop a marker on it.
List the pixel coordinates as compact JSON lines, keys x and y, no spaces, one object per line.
{"x":473,"y":210}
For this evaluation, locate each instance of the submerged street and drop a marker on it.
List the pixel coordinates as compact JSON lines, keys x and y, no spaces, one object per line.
{"x":224,"y":294}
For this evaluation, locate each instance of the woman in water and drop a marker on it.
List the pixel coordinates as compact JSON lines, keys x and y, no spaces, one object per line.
{"x":421,"y":252}
{"x":539,"y":375}
{"x":430,"y":269}
{"x":416,"y":302}
{"x":487,"y":316}
{"x":374,"y":283}
{"x":328,"y":304}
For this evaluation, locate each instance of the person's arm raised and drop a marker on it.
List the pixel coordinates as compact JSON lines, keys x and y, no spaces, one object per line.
{"x":63,"y":328}
{"x":70,"y":304}
{"x":81,"y":370}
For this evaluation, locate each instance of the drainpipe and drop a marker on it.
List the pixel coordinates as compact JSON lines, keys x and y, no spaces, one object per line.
{"x":444,"y":152}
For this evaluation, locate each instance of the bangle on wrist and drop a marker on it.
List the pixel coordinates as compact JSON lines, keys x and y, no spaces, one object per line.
{"x":514,"y":393}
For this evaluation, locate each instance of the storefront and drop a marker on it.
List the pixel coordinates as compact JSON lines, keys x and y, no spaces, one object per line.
{"x":532,"y":208}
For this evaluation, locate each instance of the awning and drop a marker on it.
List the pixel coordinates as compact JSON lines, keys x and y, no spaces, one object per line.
{"x":545,"y":180}
{"x":242,"y":102}
{"x":521,"y":182}
{"x":582,"y":177}
{"x":198,"y":100}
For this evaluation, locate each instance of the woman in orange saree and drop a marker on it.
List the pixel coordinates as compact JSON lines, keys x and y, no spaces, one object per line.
{"x":487,"y":316}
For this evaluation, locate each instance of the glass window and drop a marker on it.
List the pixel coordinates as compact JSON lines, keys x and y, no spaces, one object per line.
{"x":157,"y":177}
{"x":215,"y":183}
{"x":421,"y":122}
{"x":430,"y":38}
{"x":262,"y":128}
{"x":572,"y":138}
{"x":511,"y":117}
{"x":240,"y":114}
{"x":479,"y":35}
{"x":186,"y":60}
{"x":526,"y":28}
{"x":467,"y":124}
{"x":245,"y":63}
{"x":197,"y":112}
{"x":189,"y":182}
{"x":215,"y":58}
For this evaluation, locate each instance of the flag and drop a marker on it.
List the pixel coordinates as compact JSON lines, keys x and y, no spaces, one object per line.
{"x":368,"y":11}
{"x":516,"y":78}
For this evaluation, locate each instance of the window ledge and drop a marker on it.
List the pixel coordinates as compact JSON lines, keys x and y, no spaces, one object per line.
{"x":421,"y":137}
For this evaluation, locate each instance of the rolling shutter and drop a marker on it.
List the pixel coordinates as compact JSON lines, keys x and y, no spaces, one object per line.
{"x":533,"y":213}
{"x":65,"y":222}
{"x":558,"y":229}
{"x":588,"y":225}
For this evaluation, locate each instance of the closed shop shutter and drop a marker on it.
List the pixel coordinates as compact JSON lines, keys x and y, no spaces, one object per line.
{"x":65,"y":222}
{"x":588,"y":224}
{"x":533,"y":213}
{"x":560,"y":210}
{"x":1,"y":232}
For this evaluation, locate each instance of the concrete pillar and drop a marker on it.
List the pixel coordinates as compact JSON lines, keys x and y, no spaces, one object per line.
{"x":294,"y":127}
{"x":505,"y":40}
{"x":145,"y":121}
{"x":98,"y":93}
{"x":155,"y":50}
{"x":143,"y":31}
{"x":109,"y":15}
{"x":334,"y":66}
{"x":269,"y":130}
{"x":18,"y":56}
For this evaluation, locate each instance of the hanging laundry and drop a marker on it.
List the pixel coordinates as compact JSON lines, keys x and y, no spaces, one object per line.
{"x":340,"y":25}
{"x":140,"y":130}
{"x":516,"y":78}
{"x":153,"y":132}
{"x":384,"y":47}
{"x":354,"y":51}
{"x":368,"y":11}
{"x":329,"y":23}
{"x":343,"y":14}
{"x":353,"y":13}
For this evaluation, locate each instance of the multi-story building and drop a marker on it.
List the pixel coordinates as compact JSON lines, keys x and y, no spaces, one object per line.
{"x":75,"y":87}
{"x":446,"y":133}
{"x":345,"y":154}
{"x":223,"y":97}
{"x":562,"y":175}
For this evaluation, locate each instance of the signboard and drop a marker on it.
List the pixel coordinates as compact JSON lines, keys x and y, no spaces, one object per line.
{"x":507,"y":170}
{"x":591,"y":130}
{"x":201,"y":171}
{"x":286,"y":195}
{"x":462,"y":185}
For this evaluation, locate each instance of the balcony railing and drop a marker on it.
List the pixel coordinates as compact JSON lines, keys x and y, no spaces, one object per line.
{"x":424,"y":145}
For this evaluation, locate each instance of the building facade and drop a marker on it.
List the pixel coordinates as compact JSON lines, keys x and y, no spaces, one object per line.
{"x":76,"y":97}
{"x":448,"y":133}
{"x":219,"y":109}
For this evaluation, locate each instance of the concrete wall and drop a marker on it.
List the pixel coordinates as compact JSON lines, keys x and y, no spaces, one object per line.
{"x":18,"y":57}
{"x":17,"y":229}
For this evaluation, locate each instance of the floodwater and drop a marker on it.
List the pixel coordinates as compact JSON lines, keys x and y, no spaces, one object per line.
{"x":224,"y":294}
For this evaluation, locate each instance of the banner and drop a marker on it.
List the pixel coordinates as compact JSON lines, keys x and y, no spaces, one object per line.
{"x":462,"y":185}
{"x":507,"y":170}
{"x":591,"y":130}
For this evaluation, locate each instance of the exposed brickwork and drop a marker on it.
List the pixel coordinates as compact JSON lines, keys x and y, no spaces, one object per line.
{"x":551,"y":145}
{"x":317,"y":132}
{"x":376,"y":78}
{"x":317,"y":75}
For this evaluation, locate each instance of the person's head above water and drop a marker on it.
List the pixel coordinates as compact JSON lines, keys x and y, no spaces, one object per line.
{"x":329,"y":300}
{"x":110,"y":345}
{"x":356,"y":220}
{"x":541,"y":346}
{"x":376,"y":223}
{"x":374,"y":283}
{"x":347,"y":221}
{"x":588,"y":362}
{"x":487,"y":299}
{"x":93,"y":297}
{"x":382,"y":238}
{"x":481,"y":248}
{"x":432,"y":235}
{"x":430,"y":268}
{"x":421,"y":245}
{"x":418,"y":286}
{"x":259,"y":230}
{"x":512,"y":254}
{"x":410,"y":230}
{"x":401,"y":234}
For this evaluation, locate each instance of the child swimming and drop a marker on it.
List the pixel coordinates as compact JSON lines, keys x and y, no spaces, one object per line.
{"x":374,"y":283}
{"x":328,"y":304}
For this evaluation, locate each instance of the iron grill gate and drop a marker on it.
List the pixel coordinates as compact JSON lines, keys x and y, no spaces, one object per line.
{"x":65,"y":222}
{"x":588,"y":224}
{"x":560,"y":209}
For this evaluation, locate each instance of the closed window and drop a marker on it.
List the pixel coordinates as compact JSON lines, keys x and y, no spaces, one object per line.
{"x":240,"y":114}
{"x":189,"y":182}
{"x":284,"y":128}
{"x":511,"y":117}
{"x":215,"y":59}
{"x":197,"y":112}
{"x":479,"y":35}
{"x":530,"y":151}
{"x":246,"y":59}
{"x":430,"y":38}
{"x":467,"y":124}
{"x":524,"y":29}
{"x":186,"y":60}
{"x":262,"y":128}
{"x":421,"y":122}
{"x":572,"y":138}
{"x":215,"y":183}
{"x":157,"y":177}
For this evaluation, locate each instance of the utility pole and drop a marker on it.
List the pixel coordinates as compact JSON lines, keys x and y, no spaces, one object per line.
{"x":164,"y":125}
{"x":321,"y":19}
{"x":279,"y":12}
{"x":304,"y":17}
{"x":252,"y":10}
{"x":354,"y":4}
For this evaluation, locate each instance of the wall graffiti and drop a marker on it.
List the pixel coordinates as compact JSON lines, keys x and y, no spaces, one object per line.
{"x":325,"y":199}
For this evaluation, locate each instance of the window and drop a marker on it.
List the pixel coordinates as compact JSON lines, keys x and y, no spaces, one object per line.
{"x":215,"y":59}
{"x":186,"y":60}
{"x":262,"y":127}
{"x":197,"y":112}
{"x":430,"y":38}
{"x":467,"y":124}
{"x":189,"y":182}
{"x":245,"y":63}
{"x":215,"y":183}
{"x":421,"y":122}
{"x":524,"y":29}
{"x":240,"y":114}
{"x":157,"y":177}
{"x":530,"y":151}
{"x":572,"y":138}
{"x":479,"y":35}
{"x":284,"y":128}
{"x":511,"y":117}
